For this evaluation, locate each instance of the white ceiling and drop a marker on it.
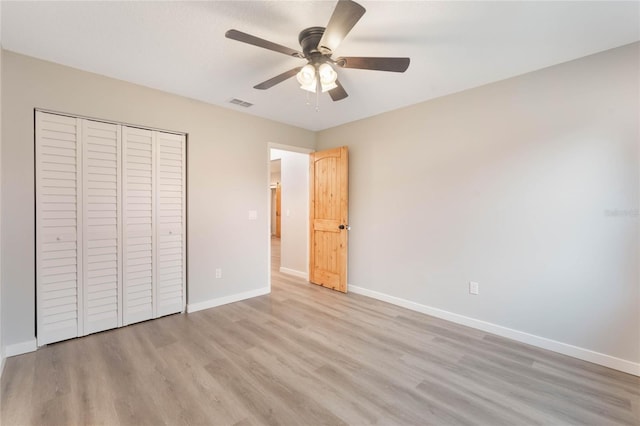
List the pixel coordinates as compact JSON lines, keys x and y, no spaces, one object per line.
{"x":179,"y":47}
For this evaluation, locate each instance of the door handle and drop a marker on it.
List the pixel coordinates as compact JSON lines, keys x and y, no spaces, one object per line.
{"x":347,"y":227}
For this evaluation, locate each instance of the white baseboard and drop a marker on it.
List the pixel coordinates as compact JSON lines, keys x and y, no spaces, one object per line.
{"x":20,"y":348}
{"x":212,"y":303}
{"x":520,"y":336}
{"x":295,"y":273}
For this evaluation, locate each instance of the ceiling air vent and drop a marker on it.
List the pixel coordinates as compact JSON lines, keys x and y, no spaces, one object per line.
{"x":240,"y":102}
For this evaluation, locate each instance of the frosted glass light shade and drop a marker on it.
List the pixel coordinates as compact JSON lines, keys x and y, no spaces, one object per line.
{"x":307,"y":78}
{"x":311,"y":87}
{"x":327,"y":74}
{"x":328,"y":77}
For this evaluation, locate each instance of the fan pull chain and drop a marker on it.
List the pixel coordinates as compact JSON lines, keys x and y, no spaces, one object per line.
{"x":318,"y":90}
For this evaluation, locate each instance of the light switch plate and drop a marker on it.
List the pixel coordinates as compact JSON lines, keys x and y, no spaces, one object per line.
{"x":253,"y":215}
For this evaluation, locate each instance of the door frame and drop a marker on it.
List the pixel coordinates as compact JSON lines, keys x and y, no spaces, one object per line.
{"x":290,"y":148}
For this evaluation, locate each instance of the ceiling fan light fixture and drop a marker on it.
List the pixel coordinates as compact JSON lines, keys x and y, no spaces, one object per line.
{"x":328,"y":77}
{"x":311,"y":87}
{"x":327,"y":74}
{"x":307,"y":75}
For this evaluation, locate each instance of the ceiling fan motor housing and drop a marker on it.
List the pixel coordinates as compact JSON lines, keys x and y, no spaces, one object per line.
{"x":309,"y":39}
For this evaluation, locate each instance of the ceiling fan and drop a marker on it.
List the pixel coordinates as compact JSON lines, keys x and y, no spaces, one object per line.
{"x":318,"y":44}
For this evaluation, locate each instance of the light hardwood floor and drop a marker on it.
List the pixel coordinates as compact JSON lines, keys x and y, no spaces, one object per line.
{"x":305,"y":355}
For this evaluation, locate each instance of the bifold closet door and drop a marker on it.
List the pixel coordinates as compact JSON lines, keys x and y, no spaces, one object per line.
{"x":58,"y":227}
{"x":101,"y":278}
{"x":171,"y":225}
{"x":77,"y":227}
{"x":139,"y":239}
{"x":110,"y":225}
{"x":154,"y":225}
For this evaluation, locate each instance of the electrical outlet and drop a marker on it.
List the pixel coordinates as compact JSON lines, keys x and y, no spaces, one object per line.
{"x":218,"y":272}
{"x":474,"y":287}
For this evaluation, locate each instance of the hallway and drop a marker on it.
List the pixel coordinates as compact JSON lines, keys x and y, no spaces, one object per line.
{"x":275,"y":254}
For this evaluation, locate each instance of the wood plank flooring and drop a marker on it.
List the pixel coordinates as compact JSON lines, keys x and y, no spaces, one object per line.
{"x":305,"y":355}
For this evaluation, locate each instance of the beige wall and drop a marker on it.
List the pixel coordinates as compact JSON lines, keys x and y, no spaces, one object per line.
{"x":295,"y":213}
{"x":528,"y":186}
{"x":227,"y":177}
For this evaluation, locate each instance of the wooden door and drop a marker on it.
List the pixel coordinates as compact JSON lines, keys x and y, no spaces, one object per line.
{"x":278,"y":209}
{"x":328,"y":218}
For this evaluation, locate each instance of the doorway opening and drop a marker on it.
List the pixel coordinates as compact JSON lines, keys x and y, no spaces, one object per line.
{"x":289,"y":211}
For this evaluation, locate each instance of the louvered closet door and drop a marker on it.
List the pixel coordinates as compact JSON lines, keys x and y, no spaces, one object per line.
{"x":102,"y":222}
{"x":58,"y":226}
{"x":139,"y":229}
{"x":171,"y":227}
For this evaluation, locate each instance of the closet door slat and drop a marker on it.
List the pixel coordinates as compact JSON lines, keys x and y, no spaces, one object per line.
{"x":58,"y":227}
{"x":170,"y":206}
{"x":139,"y":231}
{"x":102,"y":227}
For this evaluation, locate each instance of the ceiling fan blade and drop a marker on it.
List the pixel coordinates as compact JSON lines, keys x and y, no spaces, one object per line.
{"x":277,"y":79}
{"x":256,"y":41}
{"x":377,"y":64}
{"x":338,"y":93}
{"x":344,"y":17}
